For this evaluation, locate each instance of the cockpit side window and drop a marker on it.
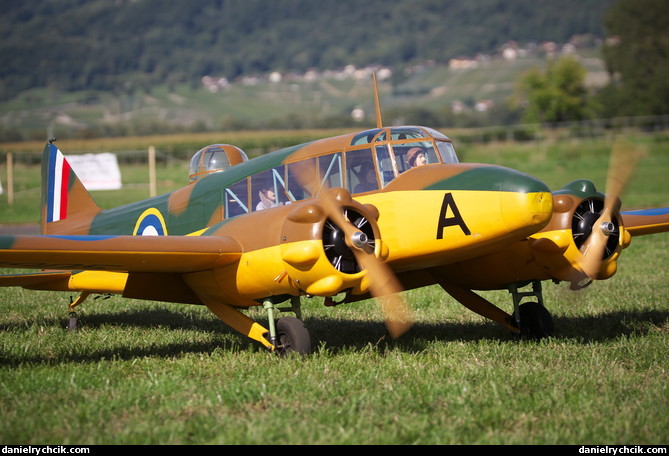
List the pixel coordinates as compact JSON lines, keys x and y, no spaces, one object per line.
{"x":360,"y":171}
{"x":447,"y":152}
{"x":412,"y":154}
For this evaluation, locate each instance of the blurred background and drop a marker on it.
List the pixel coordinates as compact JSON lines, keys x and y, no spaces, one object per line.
{"x":100,"y":68}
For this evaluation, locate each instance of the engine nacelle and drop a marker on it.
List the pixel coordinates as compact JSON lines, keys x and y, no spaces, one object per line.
{"x":322,"y":262}
{"x":562,"y":245}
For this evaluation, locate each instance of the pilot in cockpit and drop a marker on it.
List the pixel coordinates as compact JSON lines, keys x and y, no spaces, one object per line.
{"x":367,"y":177}
{"x":416,"y":157}
{"x":267,"y":199}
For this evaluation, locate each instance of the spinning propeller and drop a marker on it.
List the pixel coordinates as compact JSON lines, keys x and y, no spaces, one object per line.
{"x":623,"y":163}
{"x":383,"y":284}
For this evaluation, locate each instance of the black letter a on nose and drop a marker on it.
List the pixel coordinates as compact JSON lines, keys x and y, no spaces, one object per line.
{"x":451,"y":221}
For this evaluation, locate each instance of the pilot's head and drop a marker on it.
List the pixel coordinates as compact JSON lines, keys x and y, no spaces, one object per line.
{"x":268,"y":192}
{"x":416,"y":157}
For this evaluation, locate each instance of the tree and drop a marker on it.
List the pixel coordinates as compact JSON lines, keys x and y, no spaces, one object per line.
{"x":637,"y":57}
{"x":556,"y":94}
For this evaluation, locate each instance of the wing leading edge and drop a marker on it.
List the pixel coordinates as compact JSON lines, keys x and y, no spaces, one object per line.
{"x":164,"y":254}
{"x":647,"y":221}
{"x":38,"y":280}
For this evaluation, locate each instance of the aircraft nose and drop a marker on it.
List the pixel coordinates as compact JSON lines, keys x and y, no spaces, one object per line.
{"x":526,"y":210}
{"x":525,"y":201}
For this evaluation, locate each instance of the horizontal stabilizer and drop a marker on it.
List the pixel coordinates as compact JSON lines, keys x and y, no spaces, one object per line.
{"x":175,"y":254}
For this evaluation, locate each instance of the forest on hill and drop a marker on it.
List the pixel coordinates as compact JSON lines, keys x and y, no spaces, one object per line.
{"x":107,"y":45}
{"x":90,"y":68}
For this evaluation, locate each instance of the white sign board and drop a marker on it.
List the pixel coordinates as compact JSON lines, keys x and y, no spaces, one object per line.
{"x":97,"y":171}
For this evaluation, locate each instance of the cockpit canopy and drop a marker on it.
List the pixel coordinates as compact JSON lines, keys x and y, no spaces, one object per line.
{"x":361,"y":162}
{"x":214,"y":158}
{"x":397,"y":149}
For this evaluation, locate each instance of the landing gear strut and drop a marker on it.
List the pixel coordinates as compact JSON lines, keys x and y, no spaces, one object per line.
{"x":532,"y":318}
{"x":72,"y":321}
{"x":287,"y":334}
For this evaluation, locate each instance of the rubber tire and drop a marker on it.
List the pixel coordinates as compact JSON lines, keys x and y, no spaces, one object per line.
{"x":535,"y":321}
{"x":292,"y":336}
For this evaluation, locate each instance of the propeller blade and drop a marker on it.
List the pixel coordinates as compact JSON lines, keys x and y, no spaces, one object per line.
{"x":593,"y":248}
{"x":384,"y":286}
{"x":624,"y":159}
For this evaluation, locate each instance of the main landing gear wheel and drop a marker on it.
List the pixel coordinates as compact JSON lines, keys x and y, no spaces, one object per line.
{"x":535,"y":321}
{"x":292,"y":336}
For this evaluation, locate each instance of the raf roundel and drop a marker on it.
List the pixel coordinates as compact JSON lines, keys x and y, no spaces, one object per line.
{"x":150,"y":223}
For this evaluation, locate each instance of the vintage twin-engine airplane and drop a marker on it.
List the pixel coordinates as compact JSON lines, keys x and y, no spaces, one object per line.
{"x":363,"y":214}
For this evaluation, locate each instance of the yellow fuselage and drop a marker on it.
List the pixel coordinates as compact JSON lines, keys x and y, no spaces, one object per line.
{"x":419,"y":229}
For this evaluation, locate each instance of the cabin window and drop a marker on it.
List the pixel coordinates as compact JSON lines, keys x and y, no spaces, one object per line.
{"x":302,"y":179}
{"x":236,"y":199}
{"x":268,"y":189}
{"x":329,"y":168}
{"x":387,"y":165}
{"x":360,"y":171}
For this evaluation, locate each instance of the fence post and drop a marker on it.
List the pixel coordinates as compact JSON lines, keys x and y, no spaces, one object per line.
{"x":10,"y":178}
{"x":152,"y":171}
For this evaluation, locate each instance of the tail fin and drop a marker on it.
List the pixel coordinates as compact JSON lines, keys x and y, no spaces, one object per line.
{"x":67,"y":207}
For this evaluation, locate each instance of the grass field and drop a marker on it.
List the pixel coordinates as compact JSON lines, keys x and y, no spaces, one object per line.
{"x":150,"y":373}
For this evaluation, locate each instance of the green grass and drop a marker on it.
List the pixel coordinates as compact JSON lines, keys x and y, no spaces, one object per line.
{"x":150,"y":373}
{"x":141,"y":373}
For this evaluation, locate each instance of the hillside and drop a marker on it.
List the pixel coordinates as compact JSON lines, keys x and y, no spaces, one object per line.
{"x":435,"y":95}
{"x":80,"y":64}
{"x":98,"y":44}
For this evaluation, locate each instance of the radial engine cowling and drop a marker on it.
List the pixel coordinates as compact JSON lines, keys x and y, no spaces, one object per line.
{"x":318,"y":255}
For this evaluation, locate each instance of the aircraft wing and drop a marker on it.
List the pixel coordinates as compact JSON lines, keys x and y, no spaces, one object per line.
{"x":647,"y":221}
{"x":171,"y":254}
{"x":38,"y":279}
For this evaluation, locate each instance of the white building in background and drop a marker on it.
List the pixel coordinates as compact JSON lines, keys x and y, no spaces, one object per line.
{"x":358,"y":114}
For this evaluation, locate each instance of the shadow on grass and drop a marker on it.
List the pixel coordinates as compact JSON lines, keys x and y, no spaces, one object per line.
{"x":582,"y":329}
{"x":336,"y":335}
